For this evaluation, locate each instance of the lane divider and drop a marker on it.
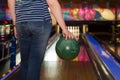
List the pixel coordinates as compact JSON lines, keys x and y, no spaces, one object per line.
{"x":10,"y":72}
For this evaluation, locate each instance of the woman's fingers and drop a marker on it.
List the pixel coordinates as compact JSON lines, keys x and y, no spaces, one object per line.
{"x":68,"y":34}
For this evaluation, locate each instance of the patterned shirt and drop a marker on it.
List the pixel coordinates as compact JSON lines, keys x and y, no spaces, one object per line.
{"x":31,"y":10}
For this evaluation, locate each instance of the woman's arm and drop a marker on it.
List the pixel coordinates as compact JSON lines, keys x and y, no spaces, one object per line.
{"x":11,"y":5}
{"x":55,"y":8}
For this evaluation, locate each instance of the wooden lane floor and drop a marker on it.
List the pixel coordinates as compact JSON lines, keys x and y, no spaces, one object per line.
{"x":64,"y":70}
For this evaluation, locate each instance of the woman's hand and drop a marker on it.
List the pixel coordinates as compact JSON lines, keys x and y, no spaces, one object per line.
{"x":68,"y":34}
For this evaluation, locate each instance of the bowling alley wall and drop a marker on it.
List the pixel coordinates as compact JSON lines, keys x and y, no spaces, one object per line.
{"x":86,"y":11}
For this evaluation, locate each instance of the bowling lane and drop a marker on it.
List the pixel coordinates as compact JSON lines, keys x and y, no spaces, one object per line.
{"x":50,"y":54}
{"x":64,"y":70}
{"x":110,"y":47}
{"x":53,"y":68}
{"x":110,"y":63}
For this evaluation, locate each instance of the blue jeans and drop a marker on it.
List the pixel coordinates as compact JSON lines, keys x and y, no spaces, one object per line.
{"x":33,"y":37}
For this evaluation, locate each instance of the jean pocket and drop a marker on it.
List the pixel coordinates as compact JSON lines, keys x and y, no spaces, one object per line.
{"x":38,"y":27}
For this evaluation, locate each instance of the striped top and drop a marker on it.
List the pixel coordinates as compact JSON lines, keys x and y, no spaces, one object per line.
{"x":32,"y":11}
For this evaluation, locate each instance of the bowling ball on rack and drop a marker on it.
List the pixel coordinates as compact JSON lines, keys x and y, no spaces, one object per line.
{"x":67,"y":49}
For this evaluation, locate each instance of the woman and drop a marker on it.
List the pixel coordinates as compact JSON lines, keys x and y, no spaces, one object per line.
{"x":32,"y":26}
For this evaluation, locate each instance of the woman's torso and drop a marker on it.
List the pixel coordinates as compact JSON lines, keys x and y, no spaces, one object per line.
{"x":35,"y":10}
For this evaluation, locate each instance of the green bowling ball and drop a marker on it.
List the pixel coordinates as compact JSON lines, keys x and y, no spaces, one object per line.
{"x":67,"y":49}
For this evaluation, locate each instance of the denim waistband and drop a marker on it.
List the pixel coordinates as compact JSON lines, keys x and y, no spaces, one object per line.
{"x":28,"y":0}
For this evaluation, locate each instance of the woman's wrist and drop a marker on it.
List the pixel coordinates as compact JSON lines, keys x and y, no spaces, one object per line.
{"x":14,"y":25}
{"x":65,"y":29}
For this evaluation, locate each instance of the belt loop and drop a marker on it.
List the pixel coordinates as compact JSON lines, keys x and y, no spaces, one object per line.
{"x":24,"y":0}
{"x":18,"y":0}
